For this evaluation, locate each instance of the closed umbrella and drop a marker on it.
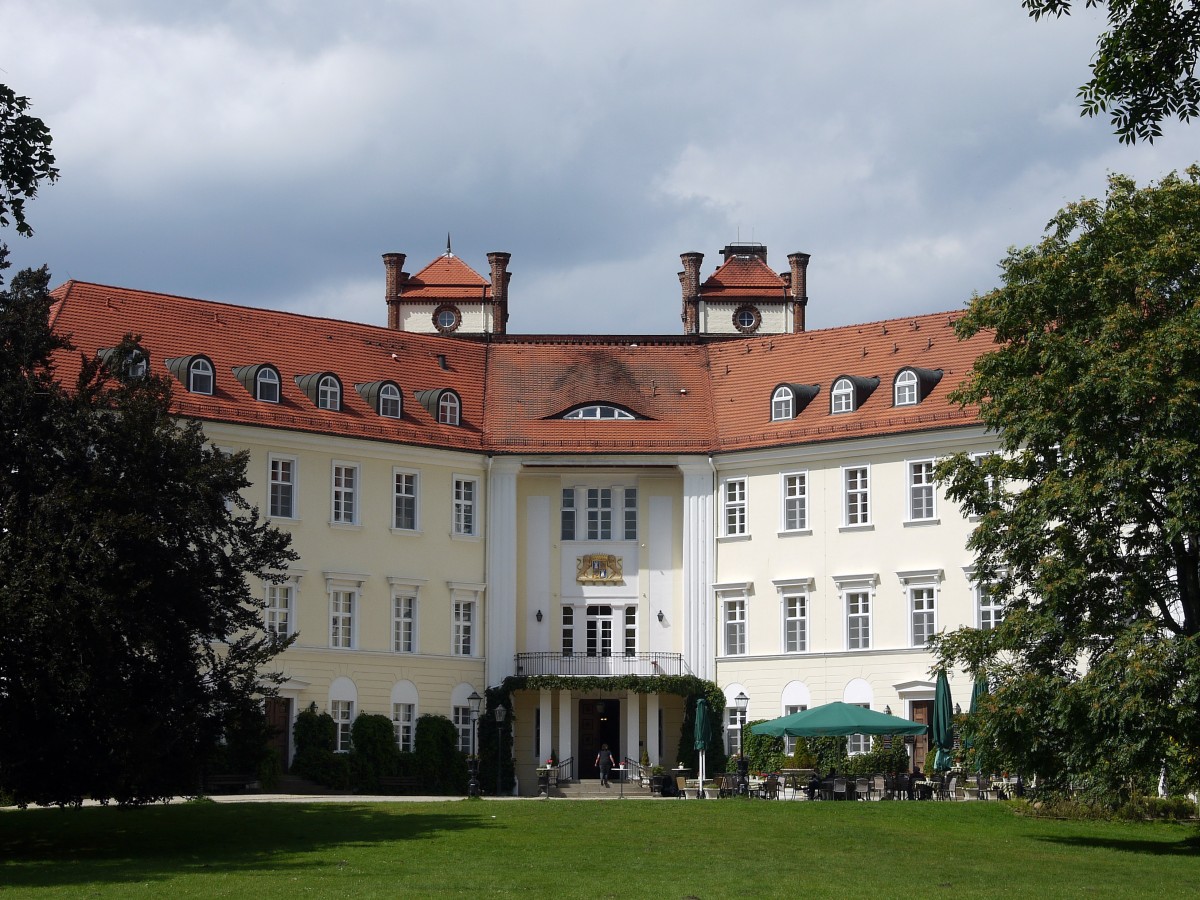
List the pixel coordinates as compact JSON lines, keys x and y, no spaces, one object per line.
{"x":978,"y":690}
{"x":701,"y":737}
{"x":941,"y":729}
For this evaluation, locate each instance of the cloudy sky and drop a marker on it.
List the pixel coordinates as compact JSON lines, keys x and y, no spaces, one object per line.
{"x":267,"y":152}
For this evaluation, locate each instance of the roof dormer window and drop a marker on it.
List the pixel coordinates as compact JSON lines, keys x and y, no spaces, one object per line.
{"x":200,"y":376}
{"x":329,"y":393}
{"x":599,"y":411}
{"x":842,"y":396}
{"x":266,"y":385}
{"x":129,"y":361}
{"x":449,"y":409}
{"x":383,"y":397}
{"x":783,"y":404}
{"x":913,"y":385}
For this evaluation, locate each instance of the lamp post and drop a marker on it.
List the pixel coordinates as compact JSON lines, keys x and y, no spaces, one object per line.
{"x":741,"y":701}
{"x":501,"y":713}
{"x":473,"y":763}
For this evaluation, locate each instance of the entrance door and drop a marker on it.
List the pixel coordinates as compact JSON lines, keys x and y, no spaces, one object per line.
{"x":599,"y":631}
{"x":599,"y":724}
{"x":922,"y":711}
{"x":279,"y":721}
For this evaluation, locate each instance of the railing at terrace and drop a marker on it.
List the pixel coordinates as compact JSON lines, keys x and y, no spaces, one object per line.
{"x":582,"y":664}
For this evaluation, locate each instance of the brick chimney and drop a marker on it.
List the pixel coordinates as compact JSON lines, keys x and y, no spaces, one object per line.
{"x":393,"y":267}
{"x":798,"y":285}
{"x":689,"y":281}
{"x":498,"y":260}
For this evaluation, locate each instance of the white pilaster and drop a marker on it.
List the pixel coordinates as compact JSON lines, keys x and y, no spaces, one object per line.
{"x":501,"y":537}
{"x":564,"y":729}
{"x":652,"y":749}
{"x":633,"y":718}
{"x":546,"y":712}
{"x":699,"y":549}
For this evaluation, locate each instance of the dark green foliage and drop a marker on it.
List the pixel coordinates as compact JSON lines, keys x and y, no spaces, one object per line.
{"x":375,"y":752}
{"x":1089,"y":520}
{"x":315,"y":735}
{"x":491,"y":732}
{"x":1143,"y":70}
{"x":439,"y":763}
{"x":25,"y":158}
{"x":764,"y":753}
{"x":130,"y":641}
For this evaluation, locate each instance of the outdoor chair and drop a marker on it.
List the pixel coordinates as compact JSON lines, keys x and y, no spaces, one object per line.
{"x":727,"y":785}
{"x":770,"y":788}
{"x":839,"y":787}
{"x":862,"y":789}
{"x":879,"y":787}
{"x":680,"y":787}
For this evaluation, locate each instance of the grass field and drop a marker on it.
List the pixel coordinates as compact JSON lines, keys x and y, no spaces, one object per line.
{"x":662,"y":849}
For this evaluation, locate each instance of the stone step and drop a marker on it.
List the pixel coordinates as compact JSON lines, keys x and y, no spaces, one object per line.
{"x":591,"y":789}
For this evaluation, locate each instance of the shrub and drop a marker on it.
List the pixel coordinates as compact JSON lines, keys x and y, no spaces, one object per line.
{"x":375,"y":752}
{"x":439,"y":762}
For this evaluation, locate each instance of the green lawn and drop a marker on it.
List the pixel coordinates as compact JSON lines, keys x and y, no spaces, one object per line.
{"x":661,"y":849}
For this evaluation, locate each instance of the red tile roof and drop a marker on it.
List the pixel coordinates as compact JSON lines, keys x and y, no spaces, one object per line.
{"x":742,"y":276}
{"x":695,"y":395}
{"x":447,"y":277}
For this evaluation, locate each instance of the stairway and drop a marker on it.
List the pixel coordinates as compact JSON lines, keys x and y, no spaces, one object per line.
{"x":590,"y":789}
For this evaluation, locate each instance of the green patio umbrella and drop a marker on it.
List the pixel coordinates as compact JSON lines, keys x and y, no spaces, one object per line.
{"x":700,"y":733}
{"x":977,"y":692}
{"x":941,"y":729}
{"x":837,"y":719}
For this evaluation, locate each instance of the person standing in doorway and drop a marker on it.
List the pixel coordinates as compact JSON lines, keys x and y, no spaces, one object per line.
{"x":604,"y":759}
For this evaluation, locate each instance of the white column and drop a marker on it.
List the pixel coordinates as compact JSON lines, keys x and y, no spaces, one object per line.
{"x":501,"y":537}
{"x":633,"y":732}
{"x":564,"y":729}
{"x":546,"y":711}
{"x":652,"y":749}
{"x":699,"y":554}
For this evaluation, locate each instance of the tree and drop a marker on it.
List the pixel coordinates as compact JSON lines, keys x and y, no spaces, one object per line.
{"x":129,"y":635}
{"x":25,"y":158}
{"x":1143,"y":70}
{"x":1089,"y":517}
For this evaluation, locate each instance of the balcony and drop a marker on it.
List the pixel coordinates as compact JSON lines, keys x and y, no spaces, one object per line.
{"x":582,"y":664}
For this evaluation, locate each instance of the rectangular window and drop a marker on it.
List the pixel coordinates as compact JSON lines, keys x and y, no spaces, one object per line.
{"x":599,"y":631}
{"x":404,"y":500}
{"x":795,"y":623}
{"x":735,"y":720}
{"x":630,"y":514}
{"x":858,"y":743}
{"x":402,"y":724}
{"x":991,"y":612}
{"x":345,"y":494}
{"x":920,"y":490}
{"x":795,"y":501}
{"x":341,"y":614}
{"x":631,"y":631}
{"x":462,"y":721}
{"x":735,"y":627}
{"x":464,"y":506}
{"x":342,"y":712}
{"x":857,"y":482}
{"x":282,"y":488}
{"x":599,"y":514}
{"x":404,"y":623}
{"x":464,"y":628}
{"x":278,"y":614}
{"x":923,"y":601}
{"x":734,"y":495}
{"x":858,"y":620}
{"x":568,"y":630}
{"x":568,"y":514}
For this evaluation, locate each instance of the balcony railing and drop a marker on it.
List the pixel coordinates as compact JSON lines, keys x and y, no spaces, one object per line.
{"x":582,"y":664}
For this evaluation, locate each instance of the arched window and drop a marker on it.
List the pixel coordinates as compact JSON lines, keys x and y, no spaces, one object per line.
{"x":136,"y":365}
{"x":842,"y":396}
{"x":389,"y":401}
{"x":200,"y":376}
{"x":448,"y":409}
{"x":598,"y":411}
{"x":906,"y":388}
{"x":783,"y":404}
{"x":266,"y":385}
{"x":329,"y":393}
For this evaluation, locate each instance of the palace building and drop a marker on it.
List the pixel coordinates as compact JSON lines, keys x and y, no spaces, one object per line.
{"x":748,"y":501}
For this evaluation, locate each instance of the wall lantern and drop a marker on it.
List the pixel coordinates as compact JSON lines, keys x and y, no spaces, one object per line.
{"x":660,"y":615}
{"x":539,"y":615}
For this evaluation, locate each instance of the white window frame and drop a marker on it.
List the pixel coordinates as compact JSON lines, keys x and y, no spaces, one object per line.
{"x":629,"y":617}
{"x":410,"y":481}
{"x":598,"y":516}
{"x":280,"y":611}
{"x":857,"y":744}
{"x":267,"y":376}
{"x":789,"y":740}
{"x":856,"y":496}
{"x":568,"y":520}
{"x":329,"y":393}
{"x":735,"y":722}
{"x":201,"y":368}
{"x":341,"y":622}
{"x":449,"y":409}
{"x":273,"y":482}
{"x":841,"y":397}
{"x":906,"y":390}
{"x":858,"y":609}
{"x":922,"y":491}
{"x":389,"y":399}
{"x":783,"y":404}
{"x":342,"y":712}
{"x":345,"y":492}
{"x":465,"y":506}
{"x":733,"y":618}
{"x":922,"y":608}
{"x":629,"y":520}
{"x":464,"y":724}
{"x":793,"y":493}
{"x":406,"y":614}
{"x":990,"y":614}
{"x":404,"y":725}
{"x":735,"y":507}
{"x":466,"y":608}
